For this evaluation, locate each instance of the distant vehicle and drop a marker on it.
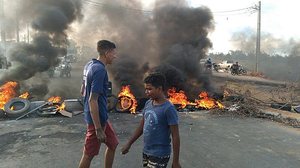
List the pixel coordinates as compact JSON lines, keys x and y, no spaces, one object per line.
{"x":51,"y":72}
{"x":70,"y":58}
{"x":206,"y":64}
{"x":224,"y":65}
{"x":65,"y":69}
{"x":3,"y":63}
{"x":202,"y":62}
{"x":239,"y":71}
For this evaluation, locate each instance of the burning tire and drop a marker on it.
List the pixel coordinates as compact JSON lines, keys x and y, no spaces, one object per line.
{"x":124,"y":104}
{"x":48,"y":110}
{"x":73,"y":105}
{"x":16,"y":107}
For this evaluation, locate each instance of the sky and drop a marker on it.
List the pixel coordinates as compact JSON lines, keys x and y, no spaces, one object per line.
{"x":278,"y":18}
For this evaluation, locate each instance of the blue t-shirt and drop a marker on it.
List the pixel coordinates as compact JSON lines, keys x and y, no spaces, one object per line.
{"x":158,"y":118}
{"x":95,"y":80}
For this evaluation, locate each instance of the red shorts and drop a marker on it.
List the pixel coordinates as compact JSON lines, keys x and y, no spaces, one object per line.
{"x":92,"y":144}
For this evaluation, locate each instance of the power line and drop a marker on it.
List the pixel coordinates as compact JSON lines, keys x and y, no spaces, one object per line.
{"x":232,"y":14}
{"x":120,"y":6}
{"x":235,"y":10}
{"x":247,"y":10}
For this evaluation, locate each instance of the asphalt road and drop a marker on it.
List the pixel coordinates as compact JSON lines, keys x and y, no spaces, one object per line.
{"x":206,"y":142}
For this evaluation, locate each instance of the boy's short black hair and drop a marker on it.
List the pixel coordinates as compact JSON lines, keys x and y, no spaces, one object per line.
{"x":104,"y":46}
{"x":156,"y":79}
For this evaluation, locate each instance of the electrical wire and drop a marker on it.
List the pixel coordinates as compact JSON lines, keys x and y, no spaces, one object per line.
{"x":110,"y":5}
{"x":248,"y":10}
{"x":235,"y":10}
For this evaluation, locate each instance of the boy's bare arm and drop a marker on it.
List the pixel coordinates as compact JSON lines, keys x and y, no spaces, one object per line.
{"x":82,"y":89}
{"x":137,"y":133}
{"x":94,"y":110}
{"x":176,"y":145}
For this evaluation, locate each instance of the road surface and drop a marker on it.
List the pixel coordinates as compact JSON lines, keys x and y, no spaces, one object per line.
{"x":206,"y":141}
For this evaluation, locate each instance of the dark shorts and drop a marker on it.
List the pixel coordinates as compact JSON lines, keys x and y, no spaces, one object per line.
{"x":92,"y":144}
{"x":155,"y":162}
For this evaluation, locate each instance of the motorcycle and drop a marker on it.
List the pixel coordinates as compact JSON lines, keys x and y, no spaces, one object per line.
{"x":238,"y":71}
{"x":65,"y":70}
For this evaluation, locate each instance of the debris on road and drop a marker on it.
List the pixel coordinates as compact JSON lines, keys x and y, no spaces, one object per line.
{"x":242,"y":100}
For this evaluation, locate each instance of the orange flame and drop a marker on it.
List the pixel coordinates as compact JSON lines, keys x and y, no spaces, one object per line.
{"x":7,"y":92}
{"x":127,"y":99}
{"x":206,"y":102}
{"x":24,"y":95}
{"x":178,"y":98}
{"x":61,"y":107}
{"x":54,"y":99}
{"x":58,"y":100}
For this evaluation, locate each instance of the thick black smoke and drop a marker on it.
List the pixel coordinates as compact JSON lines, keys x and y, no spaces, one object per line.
{"x":183,"y":42}
{"x":50,"y":19}
{"x":173,"y":35}
{"x":28,"y":59}
{"x":131,"y":30}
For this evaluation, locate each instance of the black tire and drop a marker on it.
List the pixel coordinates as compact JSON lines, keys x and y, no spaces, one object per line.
{"x":43,"y":114}
{"x":73,"y":105}
{"x":21,"y":106}
{"x":119,"y":107}
{"x":2,"y":114}
{"x":47,"y":113}
{"x":243,"y":72}
{"x":233,"y":73}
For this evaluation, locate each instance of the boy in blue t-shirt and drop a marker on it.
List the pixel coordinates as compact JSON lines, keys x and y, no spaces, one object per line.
{"x":94,"y":90}
{"x":160,"y":120}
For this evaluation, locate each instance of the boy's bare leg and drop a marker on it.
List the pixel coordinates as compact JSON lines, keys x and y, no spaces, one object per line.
{"x":109,"y":157}
{"x":85,"y":161}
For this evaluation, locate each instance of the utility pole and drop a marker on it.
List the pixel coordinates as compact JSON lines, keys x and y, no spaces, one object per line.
{"x":18,"y":21}
{"x":17,"y":27}
{"x":3,"y":38}
{"x":27,"y":26}
{"x":258,"y":35}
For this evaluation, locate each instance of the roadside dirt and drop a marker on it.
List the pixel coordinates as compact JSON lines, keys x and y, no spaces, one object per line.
{"x":248,"y":96}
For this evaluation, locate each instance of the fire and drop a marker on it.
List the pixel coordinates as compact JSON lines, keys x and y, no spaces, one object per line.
{"x":7,"y":92}
{"x":178,"y":98}
{"x":127,"y":99}
{"x":57,"y":100}
{"x":61,"y":107}
{"x":204,"y":101}
{"x":24,"y":95}
{"x":54,"y":99}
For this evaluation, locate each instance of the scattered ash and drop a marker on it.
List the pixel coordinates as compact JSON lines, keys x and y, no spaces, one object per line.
{"x":238,"y":110}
